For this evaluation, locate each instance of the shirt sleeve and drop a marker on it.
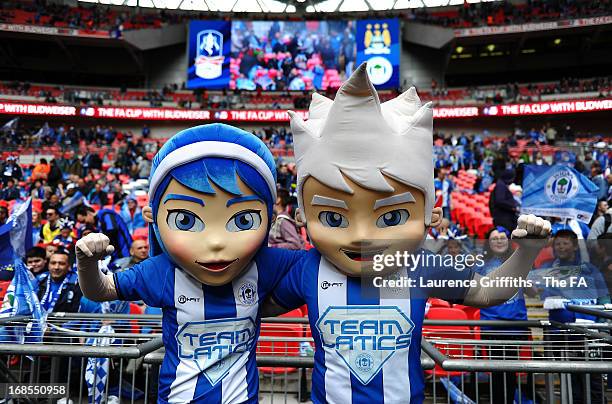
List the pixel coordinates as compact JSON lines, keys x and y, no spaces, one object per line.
{"x":89,"y":306}
{"x":442,"y":281}
{"x":145,"y":281}
{"x":274,"y":264}
{"x":290,"y":291}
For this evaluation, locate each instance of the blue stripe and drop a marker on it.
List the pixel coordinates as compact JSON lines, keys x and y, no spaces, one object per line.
{"x":358,"y":296}
{"x":417,"y":380}
{"x":372,"y":392}
{"x":167,"y":372}
{"x":218,"y":303}
{"x":252,"y":376}
{"x":311,"y":281}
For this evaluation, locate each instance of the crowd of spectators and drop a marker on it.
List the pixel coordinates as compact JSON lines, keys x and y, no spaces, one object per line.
{"x":506,"y":13}
{"x":74,"y":195}
{"x":533,"y":92}
{"x":85,"y":17}
{"x":260,"y":99}
{"x":291,"y":55}
{"x":99,"y":17}
{"x":499,"y":164}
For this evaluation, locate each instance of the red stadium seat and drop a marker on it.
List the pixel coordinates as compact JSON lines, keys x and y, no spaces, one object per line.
{"x":440,"y":333}
{"x":143,"y":200}
{"x":546,"y":255}
{"x":141,"y":233}
{"x":37,"y":205}
{"x":3,"y":288}
{"x":279,"y":348}
{"x":295,"y":313}
{"x":472,"y":313}
{"x":446,"y":313}
{"x":438,"y":303}
{"x":135,"y":309}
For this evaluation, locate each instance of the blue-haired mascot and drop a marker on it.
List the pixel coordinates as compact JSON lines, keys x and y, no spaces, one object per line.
{"x":212,"y":190}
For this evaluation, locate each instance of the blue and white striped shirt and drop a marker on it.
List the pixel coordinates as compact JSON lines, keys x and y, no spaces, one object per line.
{"x":368,"y":340}
{"x":209,"y":332}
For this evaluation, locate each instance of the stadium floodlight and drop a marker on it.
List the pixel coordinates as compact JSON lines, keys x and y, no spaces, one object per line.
{"x":277,"y":6}
{"x":239,"y":6}
{"x":354,"y":5}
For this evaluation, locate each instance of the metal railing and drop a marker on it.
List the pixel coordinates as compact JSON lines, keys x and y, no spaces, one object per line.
{"x":463,"y":361}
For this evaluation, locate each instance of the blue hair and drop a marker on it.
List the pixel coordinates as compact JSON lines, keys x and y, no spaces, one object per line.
{"x":201,"y":174}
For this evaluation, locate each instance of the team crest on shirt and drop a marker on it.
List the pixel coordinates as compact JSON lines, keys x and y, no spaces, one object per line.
{"x":216,"y":345}
{"x":248,"y":293}
{"x":365,"y":337}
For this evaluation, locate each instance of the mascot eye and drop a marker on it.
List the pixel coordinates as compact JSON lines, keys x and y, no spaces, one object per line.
{"x":394,"y":218}
{"x":184,"y":220}
{"x":241,"y":221}
{"x":333,"y":219}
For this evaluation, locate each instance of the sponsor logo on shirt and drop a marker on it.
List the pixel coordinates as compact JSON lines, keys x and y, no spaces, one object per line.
{"x":365,"y":337}
{"x":182,"y":299}
{"x":326,"y":284}
{"x":216,"y":345}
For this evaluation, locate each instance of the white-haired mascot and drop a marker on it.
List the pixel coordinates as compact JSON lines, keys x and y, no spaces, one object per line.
{"x":366,"y":194}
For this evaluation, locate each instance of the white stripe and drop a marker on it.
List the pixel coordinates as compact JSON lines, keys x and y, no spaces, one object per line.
{"x":184,"y":385}
{"x":198,"y":150}
{"x":234,"y":388}
{"x":337,"y":374}
{"x":396,"y":374}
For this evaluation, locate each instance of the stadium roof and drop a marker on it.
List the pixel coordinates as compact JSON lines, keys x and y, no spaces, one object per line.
{"x":287,"y":6}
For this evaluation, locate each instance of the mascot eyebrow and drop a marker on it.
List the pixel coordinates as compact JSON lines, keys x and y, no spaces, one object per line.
{"x":187,"y":198}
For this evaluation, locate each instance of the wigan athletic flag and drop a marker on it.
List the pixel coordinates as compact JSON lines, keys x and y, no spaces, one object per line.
{"x":20,"y":298}
{"x":16,"y":235}
{"x":558,"y":191}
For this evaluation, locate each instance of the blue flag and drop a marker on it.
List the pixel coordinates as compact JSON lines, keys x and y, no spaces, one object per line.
{"x":16,"y":234}
{"x":21,"y":298}
{"x":10,"y":125}
{"x":26,"y":303}
{"x":564,"y":157}
{"x":558,"y":191}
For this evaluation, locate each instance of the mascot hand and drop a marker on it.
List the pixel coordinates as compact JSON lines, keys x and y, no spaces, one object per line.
{"x":531,"y":231}
{"x":94,"y":246}
{"x":436,"y":217}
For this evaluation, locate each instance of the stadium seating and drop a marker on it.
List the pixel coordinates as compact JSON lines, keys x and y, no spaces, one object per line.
{"x":438,"y":303}
{"x":470,"y":210}
{"x":171,"y":97}
{"x":472,"y":313}
{"x":279,"y":348}
{"x":440,"y":333}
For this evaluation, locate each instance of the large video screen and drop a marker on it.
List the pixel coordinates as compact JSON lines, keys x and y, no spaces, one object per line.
{"x":291,"y":55}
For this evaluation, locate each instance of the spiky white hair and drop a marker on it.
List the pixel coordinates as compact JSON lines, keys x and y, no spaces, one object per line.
{"x":359,"y":137}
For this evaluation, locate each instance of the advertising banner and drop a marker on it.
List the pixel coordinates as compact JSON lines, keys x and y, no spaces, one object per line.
{"x":208,"y":54}
{"x":378,"y":43}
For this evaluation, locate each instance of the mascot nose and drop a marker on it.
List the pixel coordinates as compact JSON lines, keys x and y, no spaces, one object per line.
{"x":360,"y":243}
{"x":215,"y":243}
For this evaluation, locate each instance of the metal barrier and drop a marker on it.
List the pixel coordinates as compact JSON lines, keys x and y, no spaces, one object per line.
{"x":464,"y":361}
